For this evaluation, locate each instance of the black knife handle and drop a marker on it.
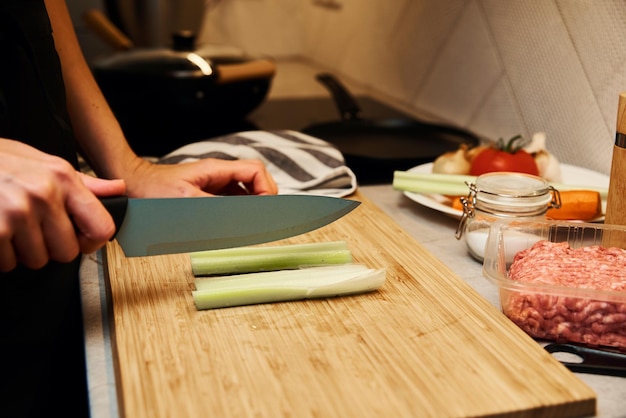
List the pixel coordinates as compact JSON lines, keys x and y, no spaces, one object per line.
{"x":116,"y":206}
{"x":593,"y":360}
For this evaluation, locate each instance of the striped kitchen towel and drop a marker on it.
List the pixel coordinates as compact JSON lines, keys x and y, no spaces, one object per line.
{"x":299,"y":163}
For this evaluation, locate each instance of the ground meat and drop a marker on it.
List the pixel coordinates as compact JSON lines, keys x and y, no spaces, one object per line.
{"x":568,"y":318}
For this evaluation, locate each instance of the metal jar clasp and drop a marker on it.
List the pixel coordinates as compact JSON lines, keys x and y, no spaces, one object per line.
{"x":468,"y":203}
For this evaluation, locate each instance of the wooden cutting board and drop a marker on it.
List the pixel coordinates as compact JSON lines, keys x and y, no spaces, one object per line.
{"x":425,"y":344}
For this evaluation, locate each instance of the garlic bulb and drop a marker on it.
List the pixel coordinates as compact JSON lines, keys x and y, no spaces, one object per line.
{"x":547,"y":164}
{"x":453,"y":162}
{"x":537,"y":143}
{"x":549,"y":167}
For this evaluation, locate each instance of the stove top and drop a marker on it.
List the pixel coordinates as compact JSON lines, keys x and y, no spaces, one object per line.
{"x":300,"y":113}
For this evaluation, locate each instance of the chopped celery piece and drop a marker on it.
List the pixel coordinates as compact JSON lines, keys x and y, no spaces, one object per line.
{"x":255,"y":259}
{"x":285,"y":285}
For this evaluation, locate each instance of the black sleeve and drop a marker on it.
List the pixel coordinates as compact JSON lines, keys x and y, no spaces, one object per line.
{"x":33,"y":105}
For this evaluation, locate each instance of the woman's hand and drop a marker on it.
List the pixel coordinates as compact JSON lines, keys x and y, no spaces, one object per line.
{"x":200,"y":178}
{"x":48,"y":211}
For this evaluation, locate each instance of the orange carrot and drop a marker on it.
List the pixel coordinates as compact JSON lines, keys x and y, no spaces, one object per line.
{"x":456,"y":202}
{"x":580,"y":205}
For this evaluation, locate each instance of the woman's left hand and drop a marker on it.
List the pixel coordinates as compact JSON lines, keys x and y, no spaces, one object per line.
{"x":200,"y":178}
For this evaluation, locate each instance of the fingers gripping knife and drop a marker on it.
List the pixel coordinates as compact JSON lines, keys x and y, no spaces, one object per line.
{"x":615,"y":210}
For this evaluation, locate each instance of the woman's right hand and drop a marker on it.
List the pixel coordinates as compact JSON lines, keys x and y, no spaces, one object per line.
{"x":49,"y":211}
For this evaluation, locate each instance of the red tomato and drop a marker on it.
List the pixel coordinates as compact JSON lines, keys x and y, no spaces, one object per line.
{"x":493,"y":159}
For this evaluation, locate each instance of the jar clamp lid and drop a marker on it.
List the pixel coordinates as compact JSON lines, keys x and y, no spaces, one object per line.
{"x":508,"y":194}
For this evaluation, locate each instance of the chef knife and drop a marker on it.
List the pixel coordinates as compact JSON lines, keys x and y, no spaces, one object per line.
{"x":177,"y":225}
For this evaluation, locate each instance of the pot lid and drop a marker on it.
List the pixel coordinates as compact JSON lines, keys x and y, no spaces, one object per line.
{"x":183,"y":60}
{"x":159,"y":62}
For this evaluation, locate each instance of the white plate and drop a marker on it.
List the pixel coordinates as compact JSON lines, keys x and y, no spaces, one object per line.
{"x":570,"y":173}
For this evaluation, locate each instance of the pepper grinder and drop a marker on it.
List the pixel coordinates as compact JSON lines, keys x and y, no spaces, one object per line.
{"x":615,"y":210}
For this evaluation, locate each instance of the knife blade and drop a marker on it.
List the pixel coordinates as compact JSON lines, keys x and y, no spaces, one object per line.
{"x":177,"y":225}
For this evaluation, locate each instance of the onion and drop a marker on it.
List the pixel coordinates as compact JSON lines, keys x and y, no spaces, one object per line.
{"x":471,"y":153}
{"x":453,"y":162}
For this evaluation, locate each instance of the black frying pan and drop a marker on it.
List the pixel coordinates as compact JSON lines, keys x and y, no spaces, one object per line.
{"x":375,"y":148}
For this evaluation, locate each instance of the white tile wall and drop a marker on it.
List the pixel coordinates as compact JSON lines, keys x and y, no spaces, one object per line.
{"x":498,"y":67}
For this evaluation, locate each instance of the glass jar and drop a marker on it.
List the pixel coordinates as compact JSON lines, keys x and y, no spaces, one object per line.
{"x":502,"y":195}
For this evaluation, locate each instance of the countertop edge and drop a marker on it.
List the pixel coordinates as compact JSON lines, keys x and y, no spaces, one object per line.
{"x":102,"y":387}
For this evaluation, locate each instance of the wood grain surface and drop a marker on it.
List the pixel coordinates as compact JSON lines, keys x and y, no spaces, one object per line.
{"x":425,"y":344}
{"x":615,"y":213}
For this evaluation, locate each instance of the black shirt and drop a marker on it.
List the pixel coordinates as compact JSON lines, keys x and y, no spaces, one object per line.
{"x":42,"y":369}
{"x":32,"y":93}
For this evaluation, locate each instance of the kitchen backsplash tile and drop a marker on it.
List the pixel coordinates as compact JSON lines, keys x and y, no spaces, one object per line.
{"x":551,"y":90}
{"x":493,"y":117}
{"x":497,"y":67}
{"x":457,"y":83}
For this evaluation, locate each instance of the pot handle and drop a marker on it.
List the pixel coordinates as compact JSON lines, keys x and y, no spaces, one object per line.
{"x":108,"y":32}
{"x":230,"y":73}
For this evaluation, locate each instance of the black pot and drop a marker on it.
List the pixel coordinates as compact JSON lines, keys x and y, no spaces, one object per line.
{"x":166,"y":98}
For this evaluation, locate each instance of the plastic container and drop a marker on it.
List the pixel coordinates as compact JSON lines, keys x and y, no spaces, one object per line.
{"x":502,"y":195}
{"x":556,"y":312}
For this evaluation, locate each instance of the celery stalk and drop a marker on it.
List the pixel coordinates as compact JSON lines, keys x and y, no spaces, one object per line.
{"x":285,"y":285}
{"x":256,"y":259}
{"x":446,"y":184}
{"x":457,"y":184}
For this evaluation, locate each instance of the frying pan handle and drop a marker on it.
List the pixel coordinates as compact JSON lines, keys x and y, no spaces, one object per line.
{"x":346,"y":104}
{"x":593,"y":360}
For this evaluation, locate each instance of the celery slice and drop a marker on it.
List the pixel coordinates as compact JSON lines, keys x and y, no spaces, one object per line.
{"x":256,"y":259}
{"x":285,"y":285}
